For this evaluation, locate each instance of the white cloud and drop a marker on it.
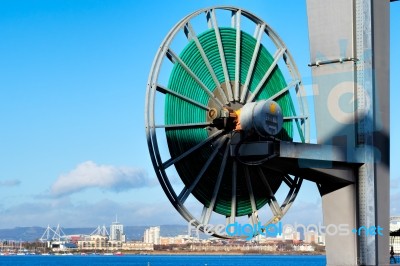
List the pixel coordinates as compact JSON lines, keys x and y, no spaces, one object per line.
{"x":87,"y":214}
{"x":90,"y":175}
{"x":10,"y":183}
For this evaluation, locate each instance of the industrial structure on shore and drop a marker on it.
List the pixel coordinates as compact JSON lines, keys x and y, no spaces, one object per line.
{"x":114,"y":240}
{"x":100,"y":240}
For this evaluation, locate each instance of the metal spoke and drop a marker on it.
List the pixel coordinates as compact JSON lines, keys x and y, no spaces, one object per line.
{"x":189,"y":125}
{"x":292,"y":194}
{"x":222,"y":56}
{"x":180,"y":96}
{"x":252,"y":64}
{"x":237,"y":56}
{"x":256,"y":31}
{"x":273,"y":203}
{"x":208,"y":17}
{"x":279,"y":93}
{"x":233,"y":18}
{"x":277,"y":56}
{"x":301,"y":117}
{"x":227,"y":221}
{"x":275,"y":208}
{"x":289,"y":182}
{"x":191,"y":32}
{"x":193,"y":149}
{"x":187,"y":33}
{"x":299,"y":129}
{"x":234,"y":187}
{"x":175,"y":57}
{"x":217,"y":185}
{"x":203,"y":214}
{"x":187,"y":190}
{"x":254,"y":215}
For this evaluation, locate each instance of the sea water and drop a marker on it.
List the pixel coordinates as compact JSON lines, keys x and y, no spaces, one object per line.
{"x":166,"y":260}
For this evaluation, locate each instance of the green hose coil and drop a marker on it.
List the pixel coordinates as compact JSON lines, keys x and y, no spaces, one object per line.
{"x":178,"y":111}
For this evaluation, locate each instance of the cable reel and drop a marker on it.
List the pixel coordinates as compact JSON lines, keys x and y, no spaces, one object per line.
{"x":226,"y":103}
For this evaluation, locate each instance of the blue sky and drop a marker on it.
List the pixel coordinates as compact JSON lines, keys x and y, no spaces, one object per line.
{"x":72,"y":89}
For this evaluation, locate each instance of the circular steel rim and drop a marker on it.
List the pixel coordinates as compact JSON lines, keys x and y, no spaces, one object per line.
{"x":153,"y":87}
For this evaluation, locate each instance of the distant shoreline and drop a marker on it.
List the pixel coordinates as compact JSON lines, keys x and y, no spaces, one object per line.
{"x":188,"y":253}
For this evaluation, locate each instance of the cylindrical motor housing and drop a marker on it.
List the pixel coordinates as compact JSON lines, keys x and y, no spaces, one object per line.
{"x":264,"y":116}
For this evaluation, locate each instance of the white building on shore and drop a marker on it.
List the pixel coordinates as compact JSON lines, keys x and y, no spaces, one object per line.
{"x":117,"y":231}
{"x":152,"y":235}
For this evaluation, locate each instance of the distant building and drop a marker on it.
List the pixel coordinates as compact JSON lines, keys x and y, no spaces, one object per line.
{"x":152,"y":235}
{"x":311,"y":237}
{"x":177,"y":240}
{"x":394,"y":223}
{"x":395,"y":238}
{"x":305,"y":247}
{"x":93,"y":242}
{"x":321,"y":240}
{"x":117,"y":232}
{"x":290,"y":234}
{"x":137,"y":246}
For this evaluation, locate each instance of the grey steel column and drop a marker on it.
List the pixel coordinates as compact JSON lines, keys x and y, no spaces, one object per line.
{"x":380,"y":128}
{"x":381,"y":30}
{"x":349,"y":45}
{"x":372,"y":94}
{"x":333,"y":69}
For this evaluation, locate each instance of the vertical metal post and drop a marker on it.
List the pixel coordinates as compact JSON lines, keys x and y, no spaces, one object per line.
{"x":356,"y":31}
{"x":332,"y":58}
{"x":381,"y":133}
{"x":364,"y":94}
{"x":372,"y":51}
{"x":373,"y":129}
